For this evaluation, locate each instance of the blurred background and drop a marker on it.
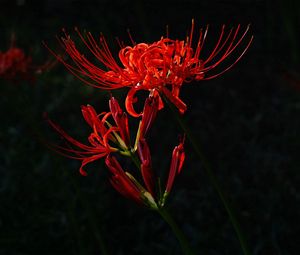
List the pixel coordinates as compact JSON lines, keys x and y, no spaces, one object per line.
{"x":246,"y":120}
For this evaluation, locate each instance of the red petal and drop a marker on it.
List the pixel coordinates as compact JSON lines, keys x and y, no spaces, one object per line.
{"x":121,"y":120}
{"x":175,"y":100}
{"x":146,"y":165}
{"x":149,"y":114}
{"x":91,"y":117}
{"x":121,"y":182}
{"x":178,"y":157}
{"x":130,"y":100}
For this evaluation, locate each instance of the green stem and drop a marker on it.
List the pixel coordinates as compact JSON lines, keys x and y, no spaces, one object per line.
{"x":167,"y":217}
{"x":212,"y":178}
{"x":135,"y":159}
{"x":178,"y":233}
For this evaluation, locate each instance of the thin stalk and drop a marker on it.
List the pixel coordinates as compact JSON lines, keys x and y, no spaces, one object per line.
{"x":135,"y":160}
{"x":167,"y":217}
{"x":176,"y":230}
{"x":208,"y":170}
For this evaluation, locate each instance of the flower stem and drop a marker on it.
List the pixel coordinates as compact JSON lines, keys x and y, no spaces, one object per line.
{"x":212,"y":178}
{"x":167,"y":217}
{"x":179,"y":234}
{"x":135,"y":159}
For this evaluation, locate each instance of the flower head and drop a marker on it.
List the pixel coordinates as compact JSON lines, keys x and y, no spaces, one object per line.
{"x":104,"y":138}
{"x":161,"y":67}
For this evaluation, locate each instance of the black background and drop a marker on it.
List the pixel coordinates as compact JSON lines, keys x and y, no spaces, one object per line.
{"x":246,"y":120}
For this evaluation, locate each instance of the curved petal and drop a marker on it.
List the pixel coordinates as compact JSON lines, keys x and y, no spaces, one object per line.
{"x":89,"y":160}
{"x":130,"y":100}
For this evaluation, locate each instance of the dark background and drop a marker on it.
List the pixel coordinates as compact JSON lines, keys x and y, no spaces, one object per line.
{"x":247,"y":121}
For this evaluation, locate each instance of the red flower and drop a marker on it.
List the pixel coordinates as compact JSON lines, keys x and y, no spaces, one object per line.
{"x":15,"y":65}
{"x":102,"y":135}
{"x":106,"y":138}
{"x":161,"y":67}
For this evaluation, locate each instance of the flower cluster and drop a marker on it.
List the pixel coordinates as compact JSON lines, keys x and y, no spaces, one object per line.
{"x":110,"y":137}
{"x":161,"y":68}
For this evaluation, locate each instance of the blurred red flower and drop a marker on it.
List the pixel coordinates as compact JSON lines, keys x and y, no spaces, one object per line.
{"x":15,"y":65}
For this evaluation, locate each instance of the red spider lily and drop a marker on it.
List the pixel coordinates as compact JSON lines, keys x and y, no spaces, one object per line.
{"x":102,"y":135}
{"x":160,"y":67}
{"x":106,"y":138}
